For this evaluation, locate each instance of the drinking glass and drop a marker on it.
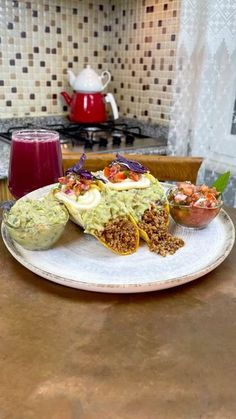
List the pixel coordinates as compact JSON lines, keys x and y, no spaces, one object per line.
{"x":35,"y":160}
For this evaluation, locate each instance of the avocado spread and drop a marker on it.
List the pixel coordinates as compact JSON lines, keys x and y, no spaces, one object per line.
{"x":119,"y":203}
{"x":36,"y":224}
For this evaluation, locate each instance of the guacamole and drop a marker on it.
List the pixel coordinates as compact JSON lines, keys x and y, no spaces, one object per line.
{"x":36,"y":224}
{"x":119,"y":203}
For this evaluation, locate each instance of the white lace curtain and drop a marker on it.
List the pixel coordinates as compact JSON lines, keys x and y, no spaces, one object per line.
{"x":205,"y":78}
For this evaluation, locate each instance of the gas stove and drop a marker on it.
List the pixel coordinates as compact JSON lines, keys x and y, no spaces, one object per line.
{"x":107,"y":137}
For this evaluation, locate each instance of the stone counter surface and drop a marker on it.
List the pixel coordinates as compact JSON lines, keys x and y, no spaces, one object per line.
{"x":4,"y":159}
{"x":151,"y":130}
{"x":70,"y":354}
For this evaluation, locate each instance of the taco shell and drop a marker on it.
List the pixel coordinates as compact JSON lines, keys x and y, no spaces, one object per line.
{"x":134,"y":239}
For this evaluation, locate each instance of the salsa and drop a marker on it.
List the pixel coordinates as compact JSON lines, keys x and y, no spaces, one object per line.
{"x":118,"y":173}
{"x":203,"y":196}
{"x":194,"y":206}
{"x":73,"y":184}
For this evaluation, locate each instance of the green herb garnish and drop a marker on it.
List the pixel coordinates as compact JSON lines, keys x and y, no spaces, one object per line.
{"x":221,"y":182}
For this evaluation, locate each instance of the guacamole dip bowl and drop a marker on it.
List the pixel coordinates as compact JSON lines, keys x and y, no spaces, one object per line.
{"x":36,"y":224}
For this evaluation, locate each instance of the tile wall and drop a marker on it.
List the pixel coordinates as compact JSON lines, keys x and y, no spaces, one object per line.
{"x":134,"y":39}
{"x":40,"y":40}
{"x":143,"y":46}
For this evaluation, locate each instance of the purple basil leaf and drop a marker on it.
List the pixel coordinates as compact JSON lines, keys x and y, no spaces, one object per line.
{"x":77,"y":168}
{"x":135,"y":166}
{"x":86,"y":174}
{"x":99,"y":178}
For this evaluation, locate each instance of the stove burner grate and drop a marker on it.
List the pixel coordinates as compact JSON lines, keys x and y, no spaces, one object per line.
{"x":81,"y":133}
{"x":105,"y":137}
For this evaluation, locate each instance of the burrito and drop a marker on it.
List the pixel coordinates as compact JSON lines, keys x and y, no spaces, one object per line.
{"x":97,"y":209}
{"x":145,"y":201}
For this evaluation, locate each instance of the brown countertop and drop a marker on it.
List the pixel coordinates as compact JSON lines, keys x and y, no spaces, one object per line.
{"x":69,"y":354}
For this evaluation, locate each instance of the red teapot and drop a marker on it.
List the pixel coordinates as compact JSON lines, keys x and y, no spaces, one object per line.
{"x":90,"y":107}
{"x":87,"y":103}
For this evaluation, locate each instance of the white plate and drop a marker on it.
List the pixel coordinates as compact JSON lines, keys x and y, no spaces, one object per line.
{"x":78,"y":260}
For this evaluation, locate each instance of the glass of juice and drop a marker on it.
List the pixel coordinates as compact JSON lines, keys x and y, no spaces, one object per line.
{"x":35,"y":160}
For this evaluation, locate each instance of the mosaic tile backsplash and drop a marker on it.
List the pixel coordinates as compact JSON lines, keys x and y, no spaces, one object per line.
{"x":134,"y":39}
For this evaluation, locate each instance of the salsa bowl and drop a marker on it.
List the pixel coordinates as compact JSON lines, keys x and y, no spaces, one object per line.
{"x":193,"y":206}
{"x":193,"y":217}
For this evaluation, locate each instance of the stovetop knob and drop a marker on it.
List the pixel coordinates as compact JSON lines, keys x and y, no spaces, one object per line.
{"x":88,"y":145}
{"x":129,"y":139}
{"x":103,"y":142}
{"x":116,"y":139}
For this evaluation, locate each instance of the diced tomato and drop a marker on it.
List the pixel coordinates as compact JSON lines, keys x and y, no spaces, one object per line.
{"x":118,"y":177}
{"x":78,"y":189}
{"x":134,"y":176}
{"x":106,"y":171}
{"x":62,"y":180}
{"x":204,"y":188}
{"x":70,"y":183}
{"x":86,"y":182}
{"x":214,"y":192}
{"x":114,"y":170}
{"x":195,"y":196}
{"x":183,"y":185}
{"x":118,"y":173}
{"x":188,"y":190}
{"x":211,"y":198}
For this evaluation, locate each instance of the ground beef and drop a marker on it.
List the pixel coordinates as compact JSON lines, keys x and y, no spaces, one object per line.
{"x":120,"y":234}
{"x":154,"y":223}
